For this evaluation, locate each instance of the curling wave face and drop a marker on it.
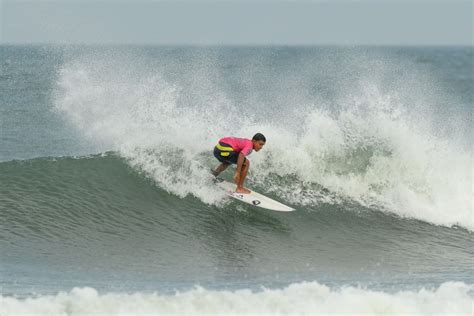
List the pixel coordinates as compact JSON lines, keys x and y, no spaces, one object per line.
{"x":88,"y":219}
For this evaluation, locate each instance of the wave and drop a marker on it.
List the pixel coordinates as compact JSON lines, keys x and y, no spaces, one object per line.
{"x":450,"y":298}
{"x":361,"y":144}
{"x":371,"y":142}
{"x":63,"y":212}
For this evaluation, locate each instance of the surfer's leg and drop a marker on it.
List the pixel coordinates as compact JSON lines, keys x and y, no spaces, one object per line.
{"x":220,"y":168}
{"x":243,"y":175}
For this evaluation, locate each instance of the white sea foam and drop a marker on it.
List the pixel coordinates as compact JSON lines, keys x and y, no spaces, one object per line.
{"x":371,"y":153}
{"x":307,"y":298}
{"x":366,"y":146}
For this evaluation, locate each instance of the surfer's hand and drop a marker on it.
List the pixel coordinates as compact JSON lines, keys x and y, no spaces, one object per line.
{"x":236,"y":178}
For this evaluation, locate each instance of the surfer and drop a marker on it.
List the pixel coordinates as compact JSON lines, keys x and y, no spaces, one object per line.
{"x":233,"y":150}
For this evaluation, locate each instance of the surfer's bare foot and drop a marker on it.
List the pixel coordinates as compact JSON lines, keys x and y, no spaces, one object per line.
{"x":242,"y":190}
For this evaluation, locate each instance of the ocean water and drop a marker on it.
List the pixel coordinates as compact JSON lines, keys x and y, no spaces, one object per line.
{"x":107,"y":205}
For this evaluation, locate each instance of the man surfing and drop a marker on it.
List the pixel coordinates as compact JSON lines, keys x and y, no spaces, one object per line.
{"x":233,"y":150}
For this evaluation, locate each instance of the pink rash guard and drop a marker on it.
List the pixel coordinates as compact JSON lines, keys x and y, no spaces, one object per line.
{"x":243,"y":145}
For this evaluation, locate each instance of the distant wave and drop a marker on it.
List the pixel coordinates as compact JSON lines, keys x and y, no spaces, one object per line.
{"x":307,"y":298}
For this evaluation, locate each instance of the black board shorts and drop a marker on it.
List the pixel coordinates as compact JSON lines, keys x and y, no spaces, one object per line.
{"x":225,"y":153}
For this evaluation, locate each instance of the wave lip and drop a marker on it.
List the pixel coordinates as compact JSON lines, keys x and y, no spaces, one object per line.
{"x":306,"y":298}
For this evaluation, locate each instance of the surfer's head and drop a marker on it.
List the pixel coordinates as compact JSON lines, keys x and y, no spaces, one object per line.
{"x":258,"y":141}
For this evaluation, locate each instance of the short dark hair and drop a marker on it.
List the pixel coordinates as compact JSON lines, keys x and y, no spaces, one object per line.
{"x":259,"y":136}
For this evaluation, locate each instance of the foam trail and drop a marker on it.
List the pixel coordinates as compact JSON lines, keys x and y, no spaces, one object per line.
{"x":307,"y":298}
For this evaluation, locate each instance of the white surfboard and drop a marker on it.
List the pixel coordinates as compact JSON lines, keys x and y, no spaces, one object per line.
{"x":252,"y":198}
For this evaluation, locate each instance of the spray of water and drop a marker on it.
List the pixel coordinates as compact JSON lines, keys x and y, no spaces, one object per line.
{"x":361,"y":142}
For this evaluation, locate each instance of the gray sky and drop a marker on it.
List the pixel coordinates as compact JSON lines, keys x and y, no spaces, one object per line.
{"x":383,"y":22}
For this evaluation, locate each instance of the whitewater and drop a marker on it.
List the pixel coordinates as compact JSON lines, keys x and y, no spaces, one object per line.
{"x":296,"y":299}
{"x":373,"y":144}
